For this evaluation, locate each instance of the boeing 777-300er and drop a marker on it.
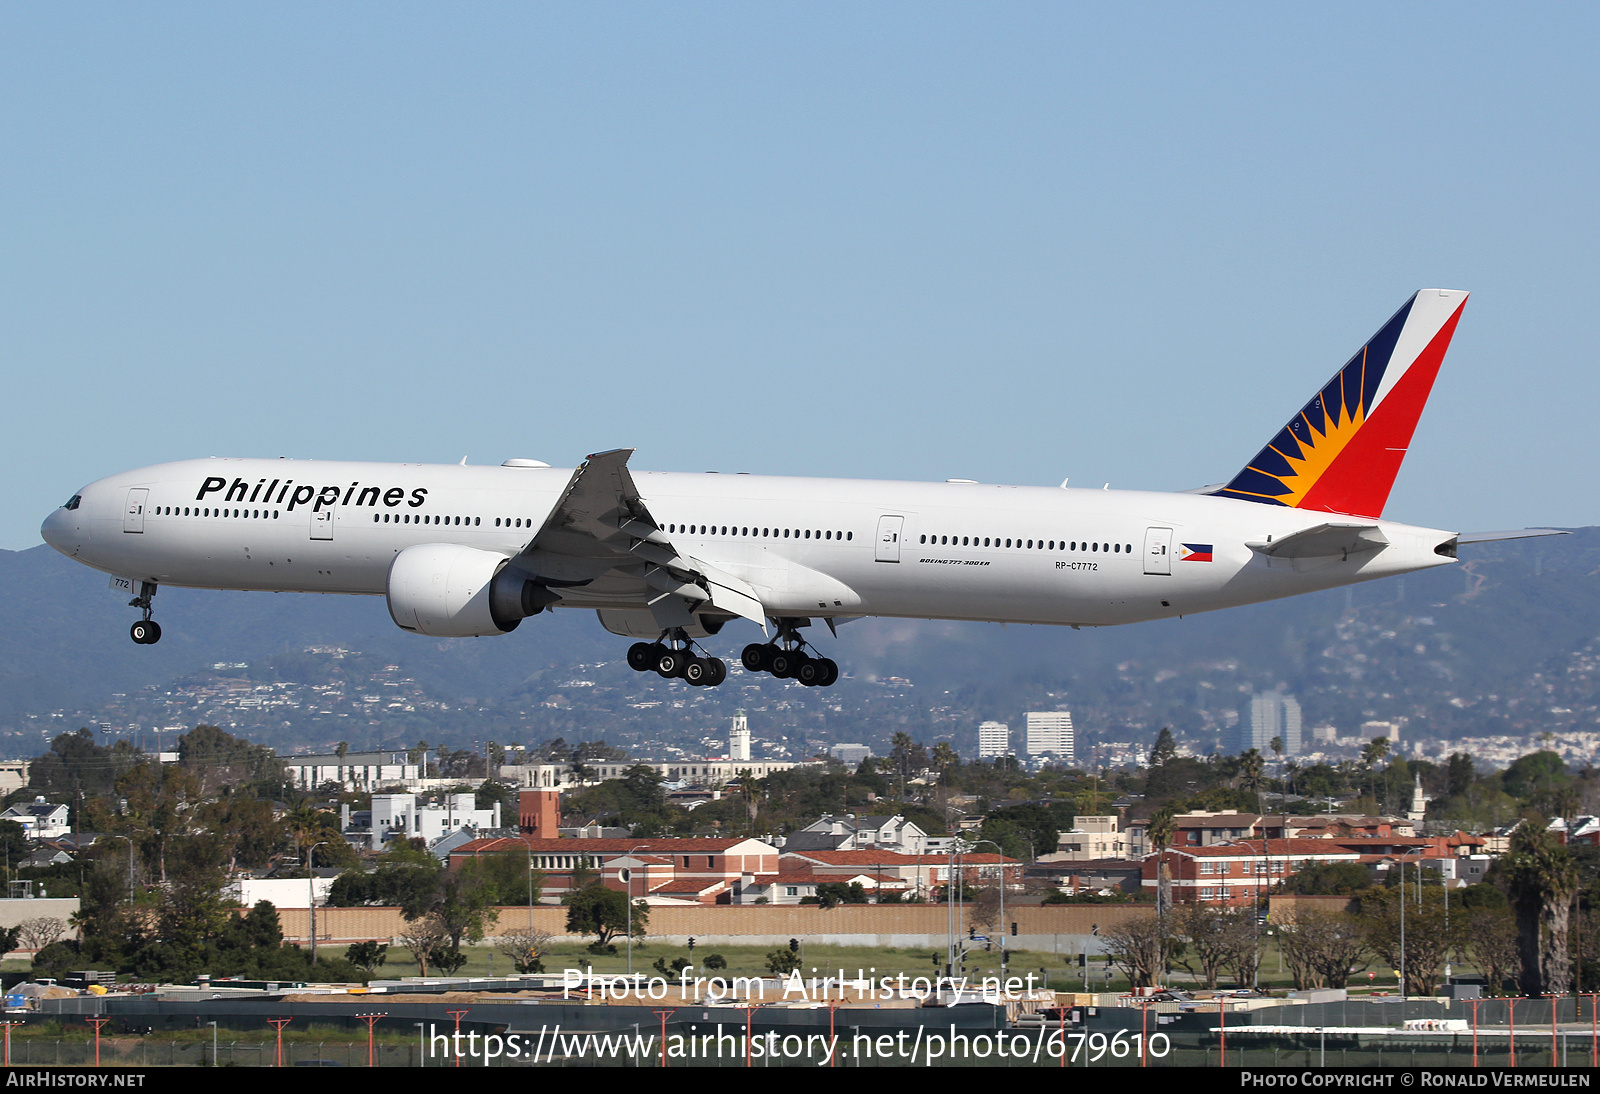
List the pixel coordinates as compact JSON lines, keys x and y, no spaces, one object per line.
{"x":668,"y":559}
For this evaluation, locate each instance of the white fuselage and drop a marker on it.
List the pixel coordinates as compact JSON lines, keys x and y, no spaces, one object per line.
{"x":814,"y":547}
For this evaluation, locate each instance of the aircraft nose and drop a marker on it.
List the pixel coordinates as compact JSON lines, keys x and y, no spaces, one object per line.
{"x":60,"y":530}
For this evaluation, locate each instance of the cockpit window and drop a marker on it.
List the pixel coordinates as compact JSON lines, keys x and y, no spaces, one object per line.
{"x":73,"y":502}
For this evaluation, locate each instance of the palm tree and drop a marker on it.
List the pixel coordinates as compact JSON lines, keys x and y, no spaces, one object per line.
{"x":1250,"y":768}
{"x":1371,"y":756}
{"x":1542,"y":881}
{"x":1160,"y":829}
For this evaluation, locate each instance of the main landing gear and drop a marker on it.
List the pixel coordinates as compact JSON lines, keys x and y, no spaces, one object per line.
{"x":674,"y":657}
{"x":146,"y":632}
{"x":787,"y":660}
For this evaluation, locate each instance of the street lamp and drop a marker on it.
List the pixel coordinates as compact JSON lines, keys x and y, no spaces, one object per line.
{"x":311,"y":890}
{"x":629,"y":900}
{"x":1001,"y":855}
{"x":1402,"y":890}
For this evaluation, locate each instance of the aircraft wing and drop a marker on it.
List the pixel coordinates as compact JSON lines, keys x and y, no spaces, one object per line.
{"x":1324,"y":541}
{"x":601,"y":537}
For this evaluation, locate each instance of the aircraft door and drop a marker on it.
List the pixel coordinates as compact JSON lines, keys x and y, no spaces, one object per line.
{"x":133,"y":516}
{"x":1158,"y":550}
{"x":322,"y":524}
{"x":888,"y":549}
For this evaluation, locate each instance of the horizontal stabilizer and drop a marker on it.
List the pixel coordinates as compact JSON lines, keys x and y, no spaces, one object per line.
{"x":1521,"y":533}
{"x":1325,"y":541}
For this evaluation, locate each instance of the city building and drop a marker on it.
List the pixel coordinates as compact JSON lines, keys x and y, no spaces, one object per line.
{"x":850,"y":754}
{"x":353,"y":770}
{"x":659,"y":871}
{"x":1272,"y":714}
{"x":739,"y":738}
{"x":555,"y":776}
{"x":400,"y":816}
{"x":1091,"y":839}
{"x":994,"y":739}
{"x":13,"y":775}
{"x":1050,"y":733}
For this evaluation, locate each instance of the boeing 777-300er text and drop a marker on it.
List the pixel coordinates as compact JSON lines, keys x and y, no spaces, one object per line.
{"x":670,"y":558}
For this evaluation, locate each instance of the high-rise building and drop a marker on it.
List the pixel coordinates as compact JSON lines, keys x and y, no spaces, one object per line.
{"x":994,"y":739}
{"x":1051,"y":731}
{"x":739,"y":737}
{"x":1272,"y":714}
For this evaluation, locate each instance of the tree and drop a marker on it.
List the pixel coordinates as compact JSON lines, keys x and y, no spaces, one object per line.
{"x":1139,"y":947}
{"x":1326,"y":879}
{"x":1160,"y":830}
{"x":425,"y":937}
{"x":1321,"y":948}
{"x":1495,"y":948}
{"x":1251,"y":766}
{"x":1372,"y":755}
{"x":1430,"y":935}
{"x":1542,"y":881}
{"x":217,"y":759}
{"x":832,"y":893}
{"x":1207,"y":932}
{"x":463,"y":908}
{"x":37,"y":933}
{"x":368,"y":955}
{"x":604,"y":913}
{"x":782,"y":962}
{"x":525,"y":947}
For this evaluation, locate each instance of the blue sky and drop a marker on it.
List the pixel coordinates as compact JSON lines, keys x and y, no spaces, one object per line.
{"x":1011,"y":242}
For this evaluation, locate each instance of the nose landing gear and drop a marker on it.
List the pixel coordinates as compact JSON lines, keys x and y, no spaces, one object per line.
{"x":146,"y":632}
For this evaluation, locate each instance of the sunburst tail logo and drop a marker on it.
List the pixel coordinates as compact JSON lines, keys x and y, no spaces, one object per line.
{"x":1341,"y":453}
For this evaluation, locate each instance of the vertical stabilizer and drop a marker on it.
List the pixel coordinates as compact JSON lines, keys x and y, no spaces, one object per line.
{"x":1341,"y":453}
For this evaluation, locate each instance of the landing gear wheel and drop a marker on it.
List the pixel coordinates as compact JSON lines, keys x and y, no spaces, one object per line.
{"x":808,"y":672}
{"x":829,"y":672}
{"x":146,"y":632}
{"x":670,"y":663}
{"x":718,"y":671}
{"x":783,"y":663}
{"x":697,"y":673}
{"x":756,"y":657}
{"x":642,"y":655}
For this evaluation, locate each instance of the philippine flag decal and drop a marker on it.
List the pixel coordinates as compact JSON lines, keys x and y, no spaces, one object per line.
{"x":1194,"y":552}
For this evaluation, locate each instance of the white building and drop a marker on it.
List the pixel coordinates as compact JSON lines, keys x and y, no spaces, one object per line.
{"x":994,"y":739}
{"x":13,"y":775}
{"x":1091,"y":838}
{"x":287,"y":892}
{"x":692,"y":772}
{"x":1275,"y":714}
{"x":1050,"y":731}
{"x":739,"y":737}
{"x":400,"y":816}
{"x":353,"y":770}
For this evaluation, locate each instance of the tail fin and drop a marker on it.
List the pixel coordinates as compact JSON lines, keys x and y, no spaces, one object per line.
{"x":1341,"y":453}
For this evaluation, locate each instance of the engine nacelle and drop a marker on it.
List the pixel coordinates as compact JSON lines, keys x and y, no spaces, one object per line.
{"x":449,"y":591}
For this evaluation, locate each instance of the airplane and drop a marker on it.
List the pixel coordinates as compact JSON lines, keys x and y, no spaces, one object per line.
{"x":669,"y":558}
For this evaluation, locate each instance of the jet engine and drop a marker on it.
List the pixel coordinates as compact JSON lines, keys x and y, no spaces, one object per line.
{"x":449,"y":591}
